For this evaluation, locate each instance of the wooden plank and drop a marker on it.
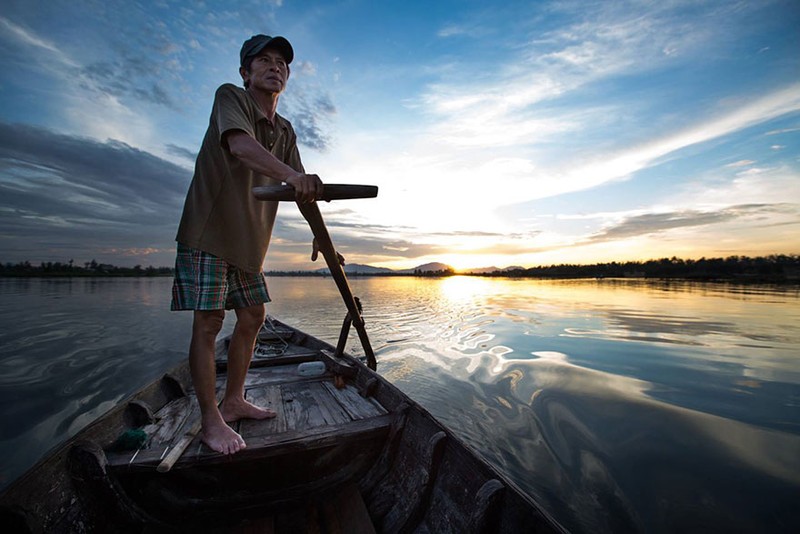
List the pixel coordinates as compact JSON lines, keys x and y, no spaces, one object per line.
{"x":347,"y":513}
{"x":332,"y":410}
{"x":484,"y":517}
{"x":267,"y":446}
{"x":269,"y":333}
{"x":271,"y":397}
{"x":169,"y":420}
{"x":281,"y":374}
{"x":356,"y":406}
{"x":338,"y":365}
{"x":301,"y":408}
{"x":296,"y":355}
{"x":188,"y":435}
{"x":273,"y":350}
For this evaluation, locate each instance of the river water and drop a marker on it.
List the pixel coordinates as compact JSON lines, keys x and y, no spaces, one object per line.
{"x":619,"y":405}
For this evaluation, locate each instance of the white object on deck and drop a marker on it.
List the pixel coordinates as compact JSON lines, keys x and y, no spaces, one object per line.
{"x":311,"y":368}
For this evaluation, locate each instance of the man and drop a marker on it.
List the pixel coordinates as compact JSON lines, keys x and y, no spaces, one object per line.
{"x":224,"y":231}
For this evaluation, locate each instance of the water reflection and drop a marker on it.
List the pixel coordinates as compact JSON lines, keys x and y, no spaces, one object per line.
{"x":624,"y":407}
{"x":620,"y":405}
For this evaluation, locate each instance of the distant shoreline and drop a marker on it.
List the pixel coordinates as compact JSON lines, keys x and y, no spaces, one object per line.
{"x":775,"y":269}
{"x":710,"y":279}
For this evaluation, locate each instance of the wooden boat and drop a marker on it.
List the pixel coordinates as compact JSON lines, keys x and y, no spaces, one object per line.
{"x":348,"y":452}
{"x":359,"y":458}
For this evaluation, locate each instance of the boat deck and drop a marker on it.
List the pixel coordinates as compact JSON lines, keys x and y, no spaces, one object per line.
{"x":310,"y":411}
{"x":347,"y":452}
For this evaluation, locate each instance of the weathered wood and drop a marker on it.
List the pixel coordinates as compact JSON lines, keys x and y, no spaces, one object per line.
{"x":190,"y":429}
{"x":406,"y":514}
{"x":281,"y":374}
{"x":332,"y":411}
{"x":292,"y":355}
{"x":368,"y":390}
{"x":329,"y":192}
{"x":264,"y":446}
{"x":270,"y":333}
{"x":178,"y":449}
{"x":301,"y":409}
{"x":168,"y":420}
{"x":88,"y":467}
{"x":138,"y":413}
{"x":483,"y":519}
{"x":357,"y":406}
{"x":412,"y":473}
{"x":342,"y":512}
{"x":338,"y":365}
{"x":343,"y":334}
{"x":172,"y":386}
{"x":384,"y":463}
{"x":347,"y":513}
{"x":266,"y":396}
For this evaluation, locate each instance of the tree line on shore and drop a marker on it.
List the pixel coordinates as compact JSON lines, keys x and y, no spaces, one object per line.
{"x":70,"y":268}
{"x":773,"y":268}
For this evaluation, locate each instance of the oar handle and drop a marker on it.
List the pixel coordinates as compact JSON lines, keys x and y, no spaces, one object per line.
{"x":330,"y":192}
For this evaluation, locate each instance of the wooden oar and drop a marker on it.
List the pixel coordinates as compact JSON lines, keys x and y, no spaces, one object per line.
{"x":312,"y":214}
{"x":330,"y":192}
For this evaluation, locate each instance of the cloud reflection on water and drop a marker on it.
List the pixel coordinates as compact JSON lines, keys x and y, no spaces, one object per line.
{"x":634,"y":407}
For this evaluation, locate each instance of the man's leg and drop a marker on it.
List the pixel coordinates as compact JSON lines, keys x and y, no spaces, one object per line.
{"x":240,"y":352}
{"x":215,"y":432}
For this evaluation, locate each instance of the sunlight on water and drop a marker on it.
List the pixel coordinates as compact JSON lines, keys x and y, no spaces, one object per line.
{"x":604,"y":398}
{"x":617,"y":404}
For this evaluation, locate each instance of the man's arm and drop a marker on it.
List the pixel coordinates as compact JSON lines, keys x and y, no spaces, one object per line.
{"x":257,"y":158}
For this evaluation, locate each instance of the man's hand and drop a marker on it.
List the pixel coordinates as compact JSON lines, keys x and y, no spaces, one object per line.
{"x":307,"y":187}
{"x":315,"y":253}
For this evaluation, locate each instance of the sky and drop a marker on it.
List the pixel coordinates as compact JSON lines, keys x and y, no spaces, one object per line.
{"x":499,"y":133}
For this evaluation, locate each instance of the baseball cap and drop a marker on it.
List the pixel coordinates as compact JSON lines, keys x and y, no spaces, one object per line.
{"x":259,"y":42}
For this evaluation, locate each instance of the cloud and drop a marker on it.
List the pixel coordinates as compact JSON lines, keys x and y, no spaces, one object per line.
{"x":451,"y":30}
{"x":741,"y":163}
{"x":532,"y":102}
{"x":310,"y":111}
{"x":130,"y":76}
{"x":64,"y":193}
{"x":27,"y":37}
{"x":655,"y":223}
{"x":190,"y":155}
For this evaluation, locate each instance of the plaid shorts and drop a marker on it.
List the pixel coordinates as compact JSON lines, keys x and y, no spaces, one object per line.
{"x":206,"y":282}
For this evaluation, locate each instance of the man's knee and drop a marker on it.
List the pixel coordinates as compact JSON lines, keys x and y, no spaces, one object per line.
{"x":251,"y":317}
{"x":209,"y":322}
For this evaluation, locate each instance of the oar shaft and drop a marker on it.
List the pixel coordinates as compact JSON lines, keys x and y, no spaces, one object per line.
{"x":312,"y":214}
{"x":330,"y":192}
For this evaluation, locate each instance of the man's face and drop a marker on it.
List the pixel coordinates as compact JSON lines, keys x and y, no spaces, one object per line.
{"x":268,"y":72}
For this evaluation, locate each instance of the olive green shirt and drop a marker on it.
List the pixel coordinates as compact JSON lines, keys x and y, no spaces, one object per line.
{"x":221,"y":216}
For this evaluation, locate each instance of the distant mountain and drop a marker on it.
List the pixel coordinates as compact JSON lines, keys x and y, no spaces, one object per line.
{"x":427,"y":268}
{"x":357,"y":268}
{"x":432,"y":267}
{"x":484,"y":270}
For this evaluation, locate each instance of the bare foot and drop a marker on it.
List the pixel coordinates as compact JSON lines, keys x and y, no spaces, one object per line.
{"x":222,"y":438}
{"x":234,"y":410}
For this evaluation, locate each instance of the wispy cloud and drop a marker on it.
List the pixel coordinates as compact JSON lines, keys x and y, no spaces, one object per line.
{"x":27,"y":37}
{"x":310,"y":112}
{"x":62,"y":193}
{"x":654,"y":223}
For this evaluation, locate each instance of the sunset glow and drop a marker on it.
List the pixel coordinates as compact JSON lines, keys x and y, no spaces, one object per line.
{"x":500,"y":134}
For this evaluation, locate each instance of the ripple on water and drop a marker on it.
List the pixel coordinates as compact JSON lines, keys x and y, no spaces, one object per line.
{"x":619,"y":407}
